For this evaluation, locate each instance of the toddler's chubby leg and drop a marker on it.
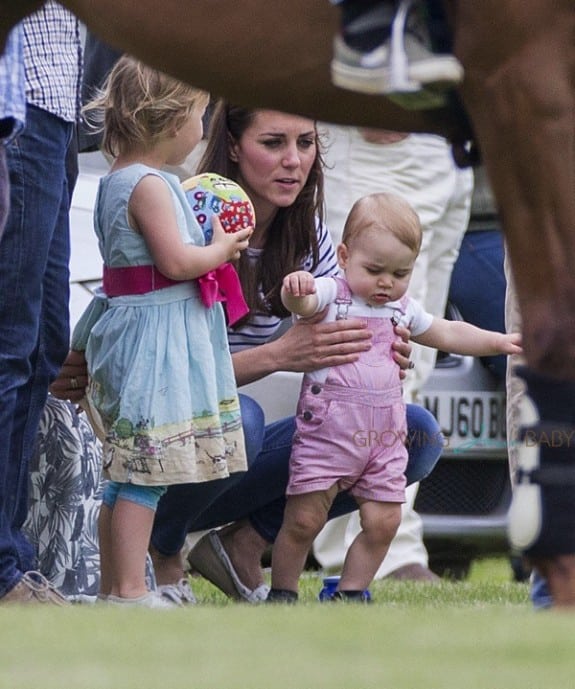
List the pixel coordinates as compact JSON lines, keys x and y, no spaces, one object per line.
{"x":304,"y":517}
{"x":379,"y":523}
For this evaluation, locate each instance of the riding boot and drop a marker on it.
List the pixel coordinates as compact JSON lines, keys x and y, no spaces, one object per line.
{"x":542,"y":513}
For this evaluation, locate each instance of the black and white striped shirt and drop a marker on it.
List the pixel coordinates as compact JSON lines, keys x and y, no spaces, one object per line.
{"x":262,"y":327}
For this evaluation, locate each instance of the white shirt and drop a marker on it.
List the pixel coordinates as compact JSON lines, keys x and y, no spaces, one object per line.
{"x":410,"y":314}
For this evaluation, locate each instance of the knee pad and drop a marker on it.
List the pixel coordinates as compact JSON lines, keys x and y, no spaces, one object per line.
{"x":525,"y":513}
{"x":542,"y":515}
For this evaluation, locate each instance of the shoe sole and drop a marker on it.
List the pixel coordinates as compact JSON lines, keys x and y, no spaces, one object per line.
{"x":150,"y":602}
{"x":209,"y":559}
{"x":442,"y":75}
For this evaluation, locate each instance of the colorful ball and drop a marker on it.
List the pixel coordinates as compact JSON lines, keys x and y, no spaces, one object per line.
{"x":211,"y":193}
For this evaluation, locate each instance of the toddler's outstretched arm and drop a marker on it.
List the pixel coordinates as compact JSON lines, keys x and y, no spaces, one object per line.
{"x":458,"y":337}
{"x":298,"y":293}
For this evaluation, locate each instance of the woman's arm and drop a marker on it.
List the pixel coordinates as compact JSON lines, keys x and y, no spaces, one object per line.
{"x":401,"y":349}
{"x":306,"y":346}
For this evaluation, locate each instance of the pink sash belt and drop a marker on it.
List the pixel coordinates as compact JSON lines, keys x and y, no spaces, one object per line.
{"x":221,"y":284}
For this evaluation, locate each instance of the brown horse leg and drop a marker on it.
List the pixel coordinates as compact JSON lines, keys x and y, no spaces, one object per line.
{"x":519,"y":90}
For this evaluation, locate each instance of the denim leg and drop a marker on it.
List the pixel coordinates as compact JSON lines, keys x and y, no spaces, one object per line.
{"x":262,"y":487}
{"x":424,"y":449}
{"x":4,"y":189}
{"x":478,"y":287}
{"x":34,"y":327}
{"x":198,"y":506}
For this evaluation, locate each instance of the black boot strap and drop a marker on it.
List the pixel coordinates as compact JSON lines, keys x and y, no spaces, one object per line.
{"x":548,"y":475}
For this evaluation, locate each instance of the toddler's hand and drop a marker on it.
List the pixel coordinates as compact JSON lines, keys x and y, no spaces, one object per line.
{"x":511,"y":344}
{"x":232,"y":243}
{"x":299,"y":283}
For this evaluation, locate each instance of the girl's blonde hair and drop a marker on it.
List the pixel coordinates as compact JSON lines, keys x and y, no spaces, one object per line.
{"x":138,"y":105}
{"x":383,"y":212}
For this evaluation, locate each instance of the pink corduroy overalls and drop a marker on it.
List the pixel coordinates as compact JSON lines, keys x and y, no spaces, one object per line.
{"x":351,"y":429}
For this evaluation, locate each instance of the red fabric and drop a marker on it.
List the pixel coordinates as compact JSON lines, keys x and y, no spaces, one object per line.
{"x":221,"y":284}
{"x":134,"y":280}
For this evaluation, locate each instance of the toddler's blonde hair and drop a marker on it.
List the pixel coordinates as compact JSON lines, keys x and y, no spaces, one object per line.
{"x":138,"y":105}
{"x":383,"y":212}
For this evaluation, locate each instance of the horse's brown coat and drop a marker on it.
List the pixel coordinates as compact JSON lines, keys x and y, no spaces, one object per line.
{"x":519,"y":92}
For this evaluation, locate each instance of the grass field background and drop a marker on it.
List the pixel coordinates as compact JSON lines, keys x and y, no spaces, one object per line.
{"x":478,"y":634}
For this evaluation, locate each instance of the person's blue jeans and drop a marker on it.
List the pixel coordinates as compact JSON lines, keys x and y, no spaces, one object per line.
{"x":4,"y":189}
{"x":478,"y":287}
{"x":34,"y":322}
{"x":259,"y":494}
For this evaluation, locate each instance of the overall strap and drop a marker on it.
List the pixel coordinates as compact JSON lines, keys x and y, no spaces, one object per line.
{"x":401,"y":311}
{"x":342,"y":299}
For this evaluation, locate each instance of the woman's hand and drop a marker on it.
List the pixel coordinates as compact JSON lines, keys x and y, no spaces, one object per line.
{"x":73,"y":378}
{"x":402,"y":350}
{"x":309,"y":345}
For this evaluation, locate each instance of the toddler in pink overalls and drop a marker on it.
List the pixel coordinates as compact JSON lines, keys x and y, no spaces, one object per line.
{"x":350,"y":422}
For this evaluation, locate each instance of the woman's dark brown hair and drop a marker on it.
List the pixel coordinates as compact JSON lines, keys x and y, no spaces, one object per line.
{"x":292,"y":236}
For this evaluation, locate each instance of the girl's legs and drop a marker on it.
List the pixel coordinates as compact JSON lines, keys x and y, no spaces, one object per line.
{"x":125,"y":527}
{"x":105,"y":544}
{"x":131,"y":526}
{"x":304,"y":518}
{"x":379,"y":522}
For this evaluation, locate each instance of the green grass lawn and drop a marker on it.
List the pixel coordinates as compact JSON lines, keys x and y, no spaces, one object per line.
{"x":477,"y":634}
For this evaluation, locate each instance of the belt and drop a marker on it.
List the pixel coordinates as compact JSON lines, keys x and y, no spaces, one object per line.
{"x":221,"y":284}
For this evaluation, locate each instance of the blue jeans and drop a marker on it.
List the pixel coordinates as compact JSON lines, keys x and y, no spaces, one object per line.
{"x":259,"y":494}
{"x":4,"y":189}
{"x":478,"y":287}
{"x":34,"y":327}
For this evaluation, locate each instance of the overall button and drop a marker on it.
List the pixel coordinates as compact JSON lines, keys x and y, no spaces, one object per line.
{"x":307,"y":415}
{"x":316,"y":389}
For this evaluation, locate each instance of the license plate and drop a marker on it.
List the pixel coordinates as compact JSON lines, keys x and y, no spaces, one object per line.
{"x":471,"y":422}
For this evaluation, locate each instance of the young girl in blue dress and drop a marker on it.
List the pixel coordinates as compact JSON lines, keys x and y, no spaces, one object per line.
{"x":162,"y":390}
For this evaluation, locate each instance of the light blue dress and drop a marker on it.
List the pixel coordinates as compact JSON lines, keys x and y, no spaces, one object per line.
{"x":161,"y":376}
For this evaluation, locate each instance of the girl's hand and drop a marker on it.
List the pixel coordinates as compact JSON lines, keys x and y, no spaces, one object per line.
{"x":231,"y":244}
{"x":300,"y":283}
